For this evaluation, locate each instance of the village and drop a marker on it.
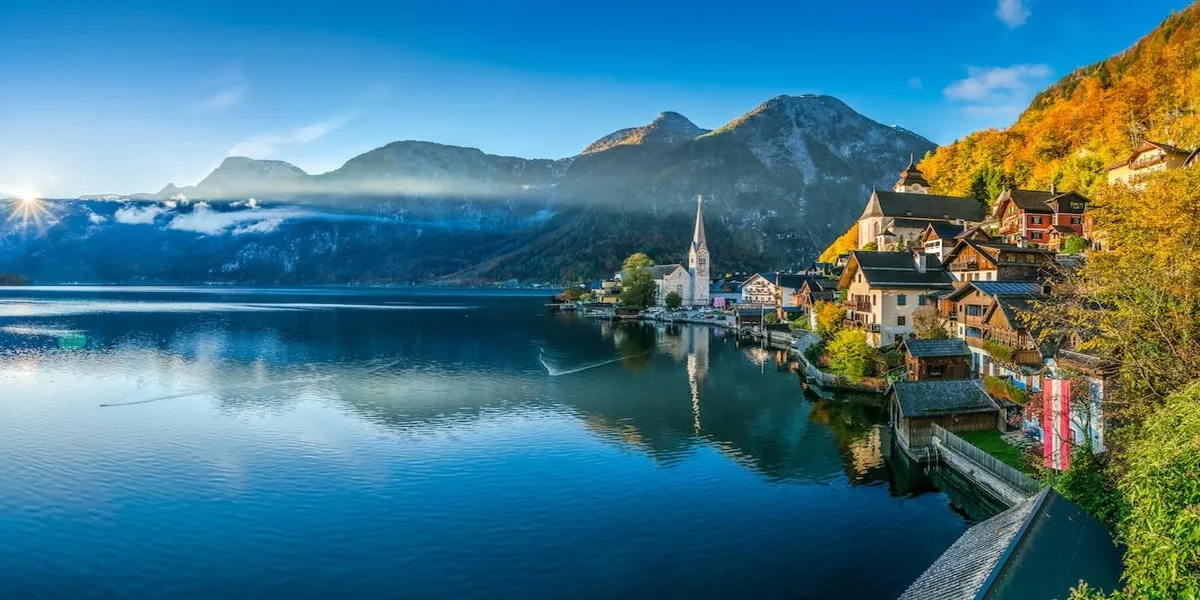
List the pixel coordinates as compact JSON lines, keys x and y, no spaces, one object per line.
{"x":936,"y":309}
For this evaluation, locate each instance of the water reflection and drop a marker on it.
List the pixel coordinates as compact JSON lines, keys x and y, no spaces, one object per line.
{"x":488,"y":448}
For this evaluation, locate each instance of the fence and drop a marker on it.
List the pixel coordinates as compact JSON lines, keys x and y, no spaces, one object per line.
{"x":994,"y":465}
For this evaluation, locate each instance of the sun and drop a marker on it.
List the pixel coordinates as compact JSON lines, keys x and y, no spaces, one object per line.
{"x":26,"y":210}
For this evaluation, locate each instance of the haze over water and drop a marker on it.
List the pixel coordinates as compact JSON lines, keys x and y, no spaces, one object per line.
{"x":178,"y":442}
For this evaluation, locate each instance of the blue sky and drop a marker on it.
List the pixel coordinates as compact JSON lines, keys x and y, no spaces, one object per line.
{"x":122,"y":97}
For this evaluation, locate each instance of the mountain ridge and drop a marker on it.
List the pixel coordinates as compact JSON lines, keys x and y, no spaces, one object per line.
{"x":779,"y":182}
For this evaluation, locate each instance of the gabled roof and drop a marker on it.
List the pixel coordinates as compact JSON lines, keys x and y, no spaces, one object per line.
{"x":998,"y":289}
{"x":1034,"y":201}
{"x":941,"y":397}
{"x":895,"y":270}
{"x":660,"y":271}
{"x":796,"y":281}
{"x":769,"y":277}
{"x":944,"y":230}
{"x":1067,"y":229}
{"x":1040,"y":548}
{"x":994,"y":252}
{"x":820,"y":284}
{"x":1148,"y":145}
{"x":923,"y":206}
{"x":936,"y":348}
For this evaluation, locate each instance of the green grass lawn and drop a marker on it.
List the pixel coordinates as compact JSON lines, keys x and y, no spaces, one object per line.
{"x":990,"y":442}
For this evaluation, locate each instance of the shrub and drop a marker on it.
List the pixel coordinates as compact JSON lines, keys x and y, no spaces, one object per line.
{"x":1002,"y":387}
{"x":1074,"y":245}
{"x":800,"y":323}
{"x":850,"y":353}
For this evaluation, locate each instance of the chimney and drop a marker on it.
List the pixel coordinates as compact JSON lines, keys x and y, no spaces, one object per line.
{"x":1022,"y":243}
{"x":922,"y":261}
{"x":1053,"y":187}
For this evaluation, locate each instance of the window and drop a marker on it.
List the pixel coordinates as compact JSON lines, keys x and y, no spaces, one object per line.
{"x":1076,"y":220}
{"x":1035,"y":235}
{"x":921,"y":300}
{"x":902,"y":300}
{"x":988,"y":276}
{"x":900,"y":321}
{"x":934,"y":371}
{"x":1037,"y":220}
{"x":974,"y":310}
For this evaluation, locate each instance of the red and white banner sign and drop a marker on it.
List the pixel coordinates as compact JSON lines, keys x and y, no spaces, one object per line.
{"x":1056,"y":423}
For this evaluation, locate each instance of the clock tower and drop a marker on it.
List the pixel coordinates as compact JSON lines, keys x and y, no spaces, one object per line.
{"x":698,"y":262}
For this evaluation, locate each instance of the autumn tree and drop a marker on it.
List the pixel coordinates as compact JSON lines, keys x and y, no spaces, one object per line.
{"x":929,"y":324}
{"x":847,"y":242}
{"x":849,"y":353}
{"x":829,"y":318}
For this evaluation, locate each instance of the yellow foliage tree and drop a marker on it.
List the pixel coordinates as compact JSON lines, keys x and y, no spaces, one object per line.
{"x":1091,"y":118}
{"x":847,"y":242}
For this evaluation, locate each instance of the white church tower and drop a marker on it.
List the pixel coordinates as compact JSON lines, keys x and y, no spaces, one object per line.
{"x":698,"y":263}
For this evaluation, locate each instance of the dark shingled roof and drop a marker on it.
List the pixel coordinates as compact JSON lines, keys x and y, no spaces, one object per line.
{"x":1032,"y":200}
{"x":935,"y":348}
{"x":1063,"y":228}
{"x":660,"y":271}
{"x":899,"y":270}
{"x":907,"y":223}
{"x":929,"y":206}
{"x":945,"y":229}
{"x":788,"y":280}
{"x":1040,"y":548}
{"x":941,"y":397}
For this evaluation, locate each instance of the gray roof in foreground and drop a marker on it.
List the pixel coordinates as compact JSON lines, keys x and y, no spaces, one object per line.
{"x":1040,"y":548}
{"x":941,"y":397}
{"x":935,"y":348}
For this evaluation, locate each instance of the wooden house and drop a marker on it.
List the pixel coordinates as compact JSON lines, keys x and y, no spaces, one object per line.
{"x":955,"y":404}
{"x":1149,"y":157}
{"x":973,"y":260}
{"x":1030,"y":215}
{"x":926,"y":360}
{"x":940,"y":237}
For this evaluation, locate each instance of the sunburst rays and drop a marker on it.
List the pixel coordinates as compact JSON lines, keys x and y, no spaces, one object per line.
{"x":28,"y":213}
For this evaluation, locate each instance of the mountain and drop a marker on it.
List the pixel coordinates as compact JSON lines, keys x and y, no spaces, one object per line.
{"x":1090,"y":119}
{"x":670,"y":129}
{"x":778,"y":183}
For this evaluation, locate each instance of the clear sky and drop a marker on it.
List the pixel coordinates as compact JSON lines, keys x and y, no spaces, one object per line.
{"x":122,"y":97}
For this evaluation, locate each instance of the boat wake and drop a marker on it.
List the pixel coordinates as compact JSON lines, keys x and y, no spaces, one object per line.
{"x":555,"y":372}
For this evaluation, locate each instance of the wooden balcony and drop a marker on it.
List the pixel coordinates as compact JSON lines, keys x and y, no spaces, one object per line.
{"x":965,"y":266}
{"x":1027,"y":357}
{"x":852,"y":304}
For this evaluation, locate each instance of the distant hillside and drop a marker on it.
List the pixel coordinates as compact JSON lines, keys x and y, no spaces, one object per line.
{"x":1089,"y":119}
{"x":779,"y":183}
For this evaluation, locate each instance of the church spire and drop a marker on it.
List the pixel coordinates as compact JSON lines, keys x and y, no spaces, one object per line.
{"x":698,"y":238}
{"x":912,"y":180}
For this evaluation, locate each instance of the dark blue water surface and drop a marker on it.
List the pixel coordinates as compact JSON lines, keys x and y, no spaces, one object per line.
{"x":178,"y":442}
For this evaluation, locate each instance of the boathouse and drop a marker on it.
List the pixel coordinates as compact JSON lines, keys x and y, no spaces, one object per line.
{"x":1040,"y":548}
{"x":926,"y":360}
{"x":954,"y":404}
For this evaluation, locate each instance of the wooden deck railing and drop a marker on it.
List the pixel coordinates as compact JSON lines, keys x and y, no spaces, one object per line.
{"x":995,"y":466}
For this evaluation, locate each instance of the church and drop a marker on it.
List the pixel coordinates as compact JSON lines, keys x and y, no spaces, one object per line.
{"x":900,"y":216}
{"x":692,"y":283}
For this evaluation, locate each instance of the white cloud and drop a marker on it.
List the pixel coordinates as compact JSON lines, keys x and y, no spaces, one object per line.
{"x":266,"y":226}
{"x":984,"y":84}
{"x":265,"y":145}
{"x":96,"y":219}
{"x":916,"y":83}
{"x":138,"y":215}
{"x":209,"y":222}
{"x":223,"y":99}
{"x":1012,"y":12}
{"x":232,"y":87}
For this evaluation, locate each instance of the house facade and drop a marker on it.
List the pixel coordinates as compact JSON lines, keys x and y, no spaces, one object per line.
{"x":885,"y":289}
{"x":988,"y":317}
{"x":759,"y":289}
{"x":973,"y":260}
{"x":899,"y":217}
{"x":1149,"y":157}
{"x":1032,"y":215}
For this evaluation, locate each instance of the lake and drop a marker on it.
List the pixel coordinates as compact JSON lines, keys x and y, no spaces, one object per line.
{"x":200,"y":442}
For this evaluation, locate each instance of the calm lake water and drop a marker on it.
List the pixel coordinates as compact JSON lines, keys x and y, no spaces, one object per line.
{"x":174,"y":442}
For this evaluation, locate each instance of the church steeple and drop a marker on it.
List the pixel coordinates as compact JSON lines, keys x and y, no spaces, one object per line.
{"x":698,"y":262}
{"x":911,"y":179}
